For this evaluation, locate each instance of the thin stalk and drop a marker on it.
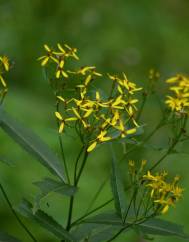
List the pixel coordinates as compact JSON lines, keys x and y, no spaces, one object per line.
{"x":142,"y":106}
{"x":136,"y":222}
{"x":61,"y":148}
{"x":127,"y":212}
{"x":158,"y":126}
{"x":15,"y":214}
{"x":177,"y":139}
{"x":77,"y":162}
{"x":91,"y":212}
{"x":76,"y":181}
{"x":81,"y":168}
{"x":96,"y":196}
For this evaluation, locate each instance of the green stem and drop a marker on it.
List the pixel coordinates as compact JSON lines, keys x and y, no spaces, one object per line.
{"x":81,"y":168}
{"x":91,"y":212}
{"x":142,"y":106}
{"x":62,"y":149}
{"x":177,"y":139}
{"x":96,"y":196}
{"x":15,"y":214}
{"x":76,"y":181}
{"x":76,"y":164}
{"x":127,"y":212}
{"x":136,"y":222}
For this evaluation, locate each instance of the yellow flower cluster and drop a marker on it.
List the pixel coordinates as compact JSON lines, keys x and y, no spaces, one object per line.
{"x":4,"y":67}
{"x":179,"y":100}
{"x":97,"y":117}
{"x":58,"y":57}
{"x":162,"y":193}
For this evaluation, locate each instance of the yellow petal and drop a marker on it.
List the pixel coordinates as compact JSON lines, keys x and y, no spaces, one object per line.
{"x":59,"y":116}
{"x":44,"y":62}
{"x":61,"y":48}
{"x":165,"y":209}
{"x":97,"y":96}
{"x":76,"y":113}
{"x":64,"y":74}
{"x":61,"y":64}
{"x":88,"y":113}
{"x":119,"y":89}
{"x":61,"y":98}
{"x":131,"y":131}
{"x":75,"y":56}
{"x":61,"y":128}
{"x":47,"y":48}
{"x":71,"y":119}
{"x":104,"y":139}
{"x":92,"y":146}
{"x":88,"y":79}
{"x":3,"y":81}
{"x":58,"y":74}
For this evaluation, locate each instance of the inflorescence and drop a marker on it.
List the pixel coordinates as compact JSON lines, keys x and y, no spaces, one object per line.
{"x":179,"y":100}
{"x":97,"y":116}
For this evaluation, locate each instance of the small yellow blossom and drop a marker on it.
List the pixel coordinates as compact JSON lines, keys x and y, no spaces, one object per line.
{"x":100,"y":138}
{"x":179,"y":100}
{"x":63,"y":121}
{"x":50,"y":55}
{"x":60,"y":70}
{"x":162,"y":193}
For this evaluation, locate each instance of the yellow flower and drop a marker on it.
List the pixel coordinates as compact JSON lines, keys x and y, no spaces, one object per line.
{"x":48,"y":56}
{"x":100,"y":138}
{"x":71,"y":52}
{"x":79,"y":117}
{"x":162,"y":193}
{"x":60,"y":70}
{"x":61,"y":49}
{"x":63,"y":121}
{"x":179,"y":100}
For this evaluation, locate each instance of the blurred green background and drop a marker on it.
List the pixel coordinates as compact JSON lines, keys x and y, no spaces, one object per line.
{"x":130,"y":36}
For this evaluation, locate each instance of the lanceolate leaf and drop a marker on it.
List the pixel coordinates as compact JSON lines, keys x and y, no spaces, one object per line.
{"x":118,"y":190}
{"x":105,"y":234}
{"x":48,"y":186}
{"x":95,"y":232}
{"x":84,"y":230}
{"x":151,"y":226}
{"x":8,"y":238}
{"x":45,"y":221}
{"x":31,"y":143}
{"x":162,"y":227}
{"x":109,"y":218}
{"x":6,"y":161}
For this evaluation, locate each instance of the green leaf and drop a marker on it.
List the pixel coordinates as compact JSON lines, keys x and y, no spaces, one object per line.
{"x":84,"y":230}
{"x":48,"y":186}
{"x":108,"y":218}
{"x":6,"y":161}
{"x":7,"y":238}
{"x":105,"y":234}
{"x":45,"y":221}
{"x":95,"y":232}
{"x":31,"y":143}
{"x":162,"y":227}
{"x":118,"y":190}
